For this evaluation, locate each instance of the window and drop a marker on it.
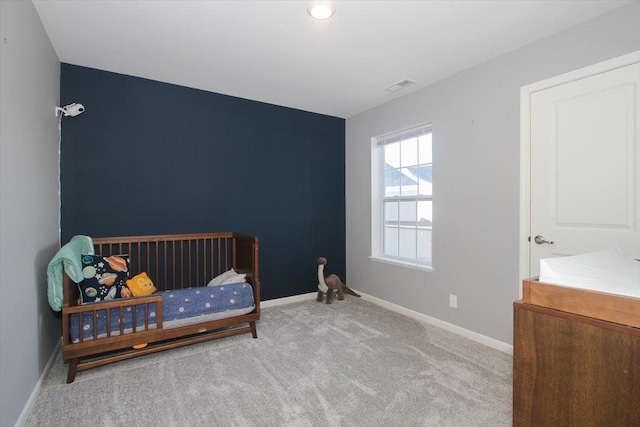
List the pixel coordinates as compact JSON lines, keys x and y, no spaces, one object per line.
{"x":402,"y":194}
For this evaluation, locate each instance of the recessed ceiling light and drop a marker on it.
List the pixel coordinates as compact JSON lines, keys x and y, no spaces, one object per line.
{"x":321,"y":9}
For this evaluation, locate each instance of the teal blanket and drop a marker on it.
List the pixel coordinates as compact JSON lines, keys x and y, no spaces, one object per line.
{"x":67,"y":258}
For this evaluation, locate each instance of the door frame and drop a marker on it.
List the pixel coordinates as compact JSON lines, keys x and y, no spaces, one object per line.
{"x":525,"y":142}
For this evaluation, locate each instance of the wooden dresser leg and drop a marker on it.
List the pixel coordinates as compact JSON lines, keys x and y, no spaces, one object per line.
{"x":71,"y":375}
{"x":254,"y":332}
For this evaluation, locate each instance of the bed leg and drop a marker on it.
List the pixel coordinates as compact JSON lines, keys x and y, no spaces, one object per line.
{"x":71,"y":375}
{"x":254,"y":332}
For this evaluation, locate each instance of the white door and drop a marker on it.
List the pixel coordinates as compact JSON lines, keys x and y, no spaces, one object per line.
{"x":584,"y":166}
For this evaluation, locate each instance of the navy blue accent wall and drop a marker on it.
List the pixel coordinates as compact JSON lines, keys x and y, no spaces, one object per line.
{"x":154,"y":158}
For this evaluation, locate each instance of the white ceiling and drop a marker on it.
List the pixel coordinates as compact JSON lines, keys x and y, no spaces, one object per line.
{"x":272,"y":51}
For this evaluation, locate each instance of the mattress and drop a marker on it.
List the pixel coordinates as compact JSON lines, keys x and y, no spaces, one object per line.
{"x":609,"y":271}
{"x":179,"y":308}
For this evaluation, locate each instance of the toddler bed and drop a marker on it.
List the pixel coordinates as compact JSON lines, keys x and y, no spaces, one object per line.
{"x":183,"y":311}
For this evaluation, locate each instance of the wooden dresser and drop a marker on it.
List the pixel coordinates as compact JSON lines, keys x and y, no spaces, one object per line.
{"x":571,"y":369}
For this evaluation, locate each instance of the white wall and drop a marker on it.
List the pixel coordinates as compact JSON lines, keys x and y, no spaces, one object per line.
{"x":475,"y":116}
{"x":29,"y":89}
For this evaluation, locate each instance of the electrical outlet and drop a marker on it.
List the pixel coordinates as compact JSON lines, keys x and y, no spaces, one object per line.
{"x":453,"y":301}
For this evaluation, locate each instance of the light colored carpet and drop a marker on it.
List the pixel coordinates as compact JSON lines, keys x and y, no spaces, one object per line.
{"x":351,"y":363}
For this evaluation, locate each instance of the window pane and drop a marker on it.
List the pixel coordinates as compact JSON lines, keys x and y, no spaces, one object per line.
{"x":425,"y":214}
{"x":391,"y":241}
{"x":425,"y":186}
{"x":409,"y":152}
{"x":424,"y":147}
{"x":392,"y":178}
{"x":407,"y":247}
{"x":391,"y":213}
{"x":392,"y":155}
{"x":408,"y":213}
{"x":409,"y":182}
{"x":424,"y":246}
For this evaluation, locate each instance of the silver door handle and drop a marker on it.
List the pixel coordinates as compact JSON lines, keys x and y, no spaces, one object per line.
{"x":540,"y":240}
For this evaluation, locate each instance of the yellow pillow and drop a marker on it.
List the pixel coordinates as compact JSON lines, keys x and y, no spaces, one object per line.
{"x":141,"y":285}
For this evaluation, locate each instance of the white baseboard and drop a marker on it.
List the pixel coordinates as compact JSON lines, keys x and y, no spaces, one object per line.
{"x":36,"y":390}
{"x":474,"y":336}
{"x":287,"y":300}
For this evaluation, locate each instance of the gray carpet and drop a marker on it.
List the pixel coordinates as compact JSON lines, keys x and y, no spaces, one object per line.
{"x":351,"y":363}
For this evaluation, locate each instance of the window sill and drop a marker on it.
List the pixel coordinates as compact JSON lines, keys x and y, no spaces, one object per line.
{"x":399,"y":263}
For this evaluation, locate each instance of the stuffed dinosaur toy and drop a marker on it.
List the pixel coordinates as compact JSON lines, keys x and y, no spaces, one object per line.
{"x":331,"y":284}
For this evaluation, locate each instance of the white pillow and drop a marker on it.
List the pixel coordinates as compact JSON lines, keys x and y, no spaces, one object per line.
{"x":611,"y":271}
{"x":221,"y":278}
{"x":238,"y":278}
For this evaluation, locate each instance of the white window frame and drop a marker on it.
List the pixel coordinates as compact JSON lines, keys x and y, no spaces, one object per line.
{"x":378,"y":198}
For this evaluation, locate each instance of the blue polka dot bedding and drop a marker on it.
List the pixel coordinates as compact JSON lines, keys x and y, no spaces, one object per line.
{"x":179,"y":308}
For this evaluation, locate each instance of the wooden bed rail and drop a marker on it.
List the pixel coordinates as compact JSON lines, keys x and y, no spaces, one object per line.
{"x":149,"y":304}
{"x":247,"y":249}
{"x":173,"y":261}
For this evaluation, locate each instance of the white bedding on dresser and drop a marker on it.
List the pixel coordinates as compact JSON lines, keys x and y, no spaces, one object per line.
{"x":611,"y":271}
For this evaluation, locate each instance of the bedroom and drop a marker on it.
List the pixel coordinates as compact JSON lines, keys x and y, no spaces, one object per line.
{"x":487,"y":93}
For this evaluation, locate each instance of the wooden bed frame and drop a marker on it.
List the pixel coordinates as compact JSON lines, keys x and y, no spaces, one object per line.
{"x":173,"y":262}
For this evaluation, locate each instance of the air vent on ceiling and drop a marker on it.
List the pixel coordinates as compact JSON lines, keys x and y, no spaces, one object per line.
{"x":399,"y":85}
